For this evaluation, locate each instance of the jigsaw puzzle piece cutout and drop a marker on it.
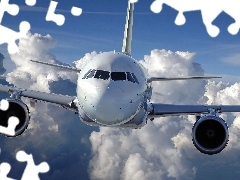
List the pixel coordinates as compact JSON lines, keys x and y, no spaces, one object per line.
{"x":156,"y":6}
{"x":59,"y":19}
{"x":9,"y":36}
{"x":4,"y":105}
{"x":31,"y":169}
{"x":12,"y":9}
{"x":209,"y":14}
{"x":12,"y":124}
{"x":12,"y":121}
{"x":180,"y":19}
{"x":76,"y":11}
{"x":30,"y":2}
{"x":133,"y":1}
{"x":4,"y":170}
{"x":233,"y":28}
{"x":180,"y":6}
{"x":231,"y":7}
{"x":209,"y":10}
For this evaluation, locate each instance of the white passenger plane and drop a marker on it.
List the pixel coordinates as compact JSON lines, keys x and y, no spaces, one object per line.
{"x":112,"y":90}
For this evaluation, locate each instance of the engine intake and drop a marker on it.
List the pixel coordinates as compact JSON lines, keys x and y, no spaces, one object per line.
{"x":18,"y":109}
{"x":210,"y":134}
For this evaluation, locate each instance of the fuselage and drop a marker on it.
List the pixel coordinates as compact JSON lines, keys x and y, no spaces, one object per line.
{"x":112,"y":90}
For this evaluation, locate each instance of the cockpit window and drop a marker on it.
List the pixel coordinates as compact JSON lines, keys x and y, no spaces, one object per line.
{"x":115,"y":76}
{"x":135,"y":78}
{"x":130,"y":78}
{"x":118,"y":76}
{"x":89,"y":74}
{"x":84,"y":77}
{"x":100,"y":74}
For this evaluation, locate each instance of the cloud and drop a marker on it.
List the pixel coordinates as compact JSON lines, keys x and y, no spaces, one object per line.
{"x":165,"y":63}
{"x":54,"y":135}
{"x":2,"y":69}
{"x":149,"y":153}
{"x":162,"y":149}
{"x":233,"y":59}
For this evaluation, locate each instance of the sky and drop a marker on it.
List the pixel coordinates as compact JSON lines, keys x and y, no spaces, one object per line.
{"x":162,"y":149}
{"x":101,"y":25}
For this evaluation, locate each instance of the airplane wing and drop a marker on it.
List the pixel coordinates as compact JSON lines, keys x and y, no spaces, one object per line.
{"x":58,"y":66}
{"x":158,"y":110}
{"x":179,"y":78}
{"x":68,"y":102}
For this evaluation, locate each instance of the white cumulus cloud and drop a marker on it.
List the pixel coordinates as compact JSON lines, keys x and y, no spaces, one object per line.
{"x":54,"y":134}
{"x":162,"y":149}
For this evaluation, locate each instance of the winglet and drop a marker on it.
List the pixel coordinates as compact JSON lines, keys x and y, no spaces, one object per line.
{"x":127,"y":40}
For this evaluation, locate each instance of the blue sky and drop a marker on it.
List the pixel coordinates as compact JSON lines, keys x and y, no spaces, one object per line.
{"x":101,"y":26}
{"x":161,"y":147}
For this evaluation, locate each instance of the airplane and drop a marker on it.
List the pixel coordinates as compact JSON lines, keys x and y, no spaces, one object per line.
{"x":114,"y":91}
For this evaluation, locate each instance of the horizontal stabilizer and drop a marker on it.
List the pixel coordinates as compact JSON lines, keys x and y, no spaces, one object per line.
{"x":59,"y":66}
{"x":180,"y":78}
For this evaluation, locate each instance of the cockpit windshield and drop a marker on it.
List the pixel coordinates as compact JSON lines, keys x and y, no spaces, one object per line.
{"x":89,"y":74}
{"x":130,"y":77}
{"x":118,"y":76}
{"x":100,"y":74}
{"x":114,"y":76}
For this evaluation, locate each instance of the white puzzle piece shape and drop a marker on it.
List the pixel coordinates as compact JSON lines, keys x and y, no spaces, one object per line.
{"x":12,"y":121}
{"x":59,"y":19}
{"x":8,"y":35}
{"x":4,"y":170}
{"x":209,"y":10}
{"x":31,"y":169}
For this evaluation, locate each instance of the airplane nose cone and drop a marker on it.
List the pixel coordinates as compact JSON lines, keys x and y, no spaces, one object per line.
{"x":108,"y":113}
{"x":111,"y":108}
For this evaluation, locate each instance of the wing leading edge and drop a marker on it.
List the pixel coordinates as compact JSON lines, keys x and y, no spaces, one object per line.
{"x":68,"y":102}
{"x":158,"y":110}
{"x":180,"y":78}
{"x":58,"y":66}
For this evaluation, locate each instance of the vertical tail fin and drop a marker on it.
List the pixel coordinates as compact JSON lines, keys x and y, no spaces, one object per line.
{"x":127,"y":40}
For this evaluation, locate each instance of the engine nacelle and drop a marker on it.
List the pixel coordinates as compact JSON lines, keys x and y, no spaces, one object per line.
{"x":18,"y":109}
{"x":210,"y":134}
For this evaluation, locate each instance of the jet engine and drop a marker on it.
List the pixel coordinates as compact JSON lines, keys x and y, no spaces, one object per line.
{"x":18,"y":109}
{"x":210,"y":134}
